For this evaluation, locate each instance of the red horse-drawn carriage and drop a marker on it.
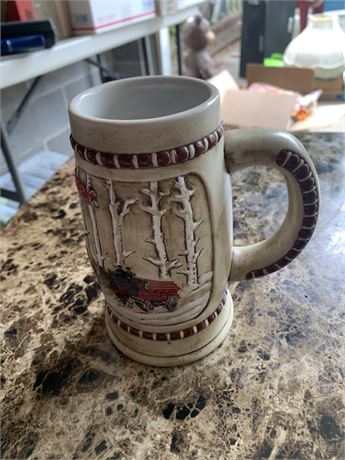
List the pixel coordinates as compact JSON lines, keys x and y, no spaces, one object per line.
{"x":146,"y":294}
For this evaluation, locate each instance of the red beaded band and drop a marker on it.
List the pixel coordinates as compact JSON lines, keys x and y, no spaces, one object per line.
{"x":301,"y":171}
{"x":149,"y":160}
{"x":168,"y":336}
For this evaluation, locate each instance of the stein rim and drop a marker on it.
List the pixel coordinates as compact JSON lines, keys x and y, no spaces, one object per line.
{"x":145,"y":134}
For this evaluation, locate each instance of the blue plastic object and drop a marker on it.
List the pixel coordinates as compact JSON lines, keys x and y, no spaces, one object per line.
{"x":25,"y":44}
{"x":331,"y":5}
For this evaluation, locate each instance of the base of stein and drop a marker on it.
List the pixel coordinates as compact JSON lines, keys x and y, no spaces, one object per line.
{"x":219,"y":334}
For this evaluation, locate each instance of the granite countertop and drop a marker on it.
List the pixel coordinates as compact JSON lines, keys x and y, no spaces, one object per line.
{"x":274,"y":389}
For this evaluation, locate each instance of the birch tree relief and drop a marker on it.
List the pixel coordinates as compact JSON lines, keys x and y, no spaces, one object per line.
{"x":185,"y":212}
{"x":118,"y":213}
{"x":157,"y":240}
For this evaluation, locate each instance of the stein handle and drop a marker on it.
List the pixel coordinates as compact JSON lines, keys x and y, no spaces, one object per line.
{"x":254,"y":147}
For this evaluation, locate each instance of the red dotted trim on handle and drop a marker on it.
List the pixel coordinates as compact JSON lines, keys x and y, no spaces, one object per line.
{"x":149,"y":160}
{"x":168,"y":336}
{"x":303,"y":174}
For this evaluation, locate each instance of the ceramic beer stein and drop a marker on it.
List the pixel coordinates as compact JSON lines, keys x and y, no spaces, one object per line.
{"x":152,"y":170}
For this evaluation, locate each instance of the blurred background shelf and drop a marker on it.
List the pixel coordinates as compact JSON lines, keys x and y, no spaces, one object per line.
{"x":38,"y":135}
{"x":21,"y":68}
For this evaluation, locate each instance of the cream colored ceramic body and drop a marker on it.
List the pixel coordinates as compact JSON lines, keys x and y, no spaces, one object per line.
{"x":156,"y":202}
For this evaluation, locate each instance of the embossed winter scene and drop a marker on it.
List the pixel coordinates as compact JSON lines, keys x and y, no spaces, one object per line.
{"x":154,"y":256}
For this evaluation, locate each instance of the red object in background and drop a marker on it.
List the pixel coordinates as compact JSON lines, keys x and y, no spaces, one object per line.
{"x":304,"y":6}
{"x":19,"y":10}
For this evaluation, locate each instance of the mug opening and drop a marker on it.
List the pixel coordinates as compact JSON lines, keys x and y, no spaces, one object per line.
{"x":142,"y":98}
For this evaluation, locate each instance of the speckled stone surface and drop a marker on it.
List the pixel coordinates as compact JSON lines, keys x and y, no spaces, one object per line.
{"x":274,"y":389}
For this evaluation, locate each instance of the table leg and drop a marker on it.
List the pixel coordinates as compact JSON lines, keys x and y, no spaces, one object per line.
{"x":178,"y":50}
{"x":144,"y":51}
{"x":18,"y":194}
{"x":162,"y":39}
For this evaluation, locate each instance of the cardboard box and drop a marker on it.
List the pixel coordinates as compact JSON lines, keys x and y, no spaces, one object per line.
{"x":170,"y":7}
{"x":243,"y":108}
{"x":224,"y":82}
{"x":183,"y":4}
{"x":331,"y":89}
{"x":252,"y":109}
{"x":58,"y":12}
{"x":96,"y":16}
{"x":296,"y":79}
{"x":166,"y":7}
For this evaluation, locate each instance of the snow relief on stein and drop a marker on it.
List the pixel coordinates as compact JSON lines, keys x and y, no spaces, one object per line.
{"x":150,"y":244}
